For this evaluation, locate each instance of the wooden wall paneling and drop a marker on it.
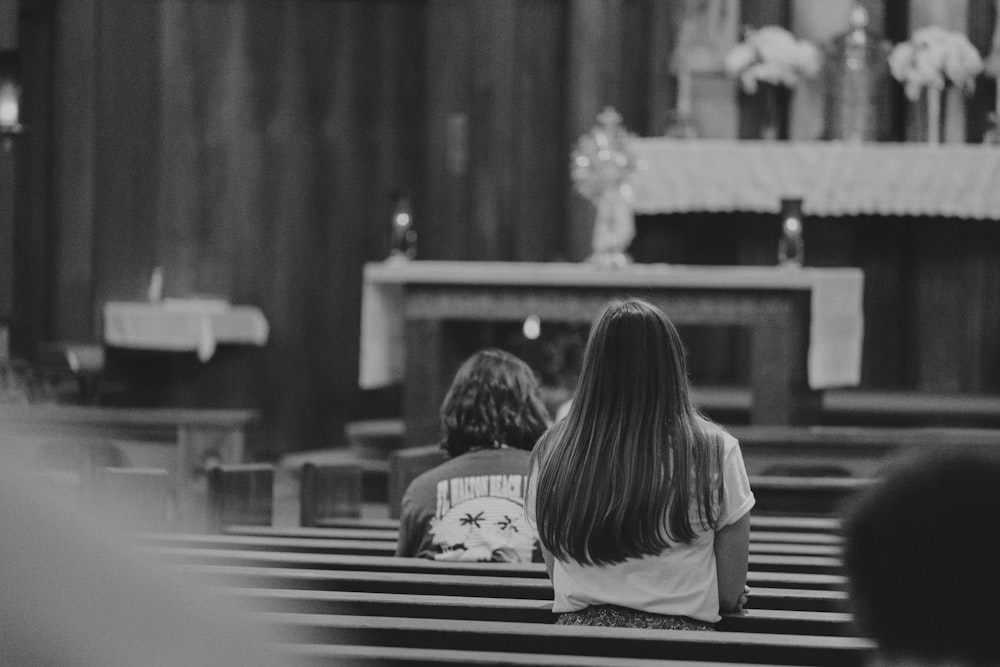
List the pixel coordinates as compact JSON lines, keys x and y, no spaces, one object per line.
{"x":401,"y":122}
{"x":882,"y":251}
{"x":444,"y":227}
{"x":940,"y":302}
{"x":636,"y":64}
{"x":492,"y":132}
{"x":663,"y":25}
{"x":982,"y":22}
{"x":593,"y":73}
{"x":756,"y":14}
{"x":300,"y":338}
{"x":342,"y":111}
{"x":127,"y":142}
{"x":221,"y":116}
{"x":32,"y":259}
{"x":8,"y":186}
{"x":9,"y":26}
{"x":981,"y":371}
{"x":401,"y":167}
{"x":542,"y":155}
{"x":895,"y":25}
{"x":74,"y":124}
{"x":190,"y":52}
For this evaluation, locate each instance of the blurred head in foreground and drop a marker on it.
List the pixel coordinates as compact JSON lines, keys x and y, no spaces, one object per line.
{"x":923,"y":560}
{"x":77,"y":591}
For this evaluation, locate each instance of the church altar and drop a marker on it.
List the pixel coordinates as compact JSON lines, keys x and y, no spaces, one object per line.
{"x":806,"y":325}
{"x":834,"y":178}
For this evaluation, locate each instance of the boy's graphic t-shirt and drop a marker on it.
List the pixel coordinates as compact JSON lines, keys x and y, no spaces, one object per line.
{"x":469,"y":508}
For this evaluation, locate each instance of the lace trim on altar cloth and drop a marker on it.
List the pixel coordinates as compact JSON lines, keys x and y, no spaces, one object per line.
{"x":834,"y":178}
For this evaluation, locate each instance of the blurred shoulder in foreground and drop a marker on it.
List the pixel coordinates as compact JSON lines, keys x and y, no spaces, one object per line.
{"x":77,"y":591}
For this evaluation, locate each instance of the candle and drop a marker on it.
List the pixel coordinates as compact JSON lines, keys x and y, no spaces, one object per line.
{"x":8,"y":105}
{"x":683,"y":91}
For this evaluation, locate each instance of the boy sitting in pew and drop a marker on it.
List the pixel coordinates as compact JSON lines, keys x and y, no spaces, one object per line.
{"x":471,"y":507}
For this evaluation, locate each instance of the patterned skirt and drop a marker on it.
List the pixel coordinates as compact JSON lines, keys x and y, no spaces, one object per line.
{"x":609,"y":615}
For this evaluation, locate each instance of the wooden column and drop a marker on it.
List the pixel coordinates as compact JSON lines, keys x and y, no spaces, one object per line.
{"x":74,"y":155}
{"x":8,"y":41}
{"x":593,"y":79}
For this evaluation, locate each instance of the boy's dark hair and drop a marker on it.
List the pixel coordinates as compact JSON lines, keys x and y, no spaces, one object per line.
{"x":494,"y":400}
{"x":923,"y":558}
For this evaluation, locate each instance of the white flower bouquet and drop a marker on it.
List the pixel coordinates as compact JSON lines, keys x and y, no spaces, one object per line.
{"x":771,"y":55}
{"x":932,"y":58}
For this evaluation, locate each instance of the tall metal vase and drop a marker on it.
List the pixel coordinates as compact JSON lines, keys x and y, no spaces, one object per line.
{"x":773,"y":103}
{"x":933,"y":98}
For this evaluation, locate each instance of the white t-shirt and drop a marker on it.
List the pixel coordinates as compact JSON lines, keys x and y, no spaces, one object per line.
{"x":681,"y":581}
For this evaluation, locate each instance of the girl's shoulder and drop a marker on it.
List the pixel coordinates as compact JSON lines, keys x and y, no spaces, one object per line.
{"x":715,"y":434}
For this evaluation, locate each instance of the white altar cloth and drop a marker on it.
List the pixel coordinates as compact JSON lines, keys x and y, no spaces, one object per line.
{"x":836,"y":325}
{"x":196,"y":325}
{"x":834,"y":178}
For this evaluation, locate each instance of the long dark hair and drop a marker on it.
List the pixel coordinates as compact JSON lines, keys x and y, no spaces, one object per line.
{"x":632,"y":467}
{"x":494,"y":400}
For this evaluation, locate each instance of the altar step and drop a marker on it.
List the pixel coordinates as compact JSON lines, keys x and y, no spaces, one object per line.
{"x":371,"y":442}
{"x":858,"y":407}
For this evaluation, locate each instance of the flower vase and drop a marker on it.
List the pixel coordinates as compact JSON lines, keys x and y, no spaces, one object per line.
{"x":933,"y":96}
{"x":773,"y":103}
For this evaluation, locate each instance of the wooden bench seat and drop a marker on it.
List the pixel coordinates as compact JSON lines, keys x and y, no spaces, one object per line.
{"x":747,"y":647}
{"x":254,"y":572}
{"x":186,"y":439}
{"x":869,"y":407}
{"x":804,"y":495}
{"x":517,"y":610}
{"x":507,"y":588}
{"x":356,"y":655}
{"x":790,"y":598}
{"x":388,"y":547}
{"x":762,"y":562}
{"x":302,"y":533}
{"x":796,"y":524}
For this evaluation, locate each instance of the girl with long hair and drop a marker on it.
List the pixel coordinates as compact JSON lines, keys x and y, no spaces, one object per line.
{"x":641,"y":504}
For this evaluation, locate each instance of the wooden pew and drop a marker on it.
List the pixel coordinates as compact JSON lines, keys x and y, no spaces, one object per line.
{"x":240,"y":493}
{"x":758,"y":562}
{"x":804,"y":495}
{"x":388,"y":547}
{"x":859,"y":452}
{"x":354,"y":655}
{"x":391,"y":534}
{"x":492,"y":608}
{"x":748,"y":647}
{"x":195,"y":547}
{"x":482,"y":586}
{"x":509,"y":588}
{"x":267,"y":566}
{"x":329,"y":491}
{"x":191,"y":438}
{"x":796,"y":524}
